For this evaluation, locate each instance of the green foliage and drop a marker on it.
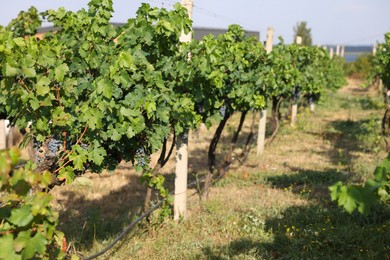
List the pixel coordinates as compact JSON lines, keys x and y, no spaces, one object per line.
{"x":334,"y":74}
{"x":359,"y":68}
{"x":381,"y":62}
{"x":107,"y":92}
{"x":374,"y":190}
{"x":303,"y":31}
{"x":308,"y":72}
{"x":26,"y":23}
{"x":27,"y":221}
{"x":103,"y":91}
{"x":363,"y":198}
{"x":225,"y":72}
{"x":110,"y":94}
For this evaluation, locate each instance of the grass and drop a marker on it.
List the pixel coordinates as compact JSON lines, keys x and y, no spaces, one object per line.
{"x":278,"y":208}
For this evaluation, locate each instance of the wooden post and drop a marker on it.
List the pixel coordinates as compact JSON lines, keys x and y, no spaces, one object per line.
{"x":3,"y":139}
{"x":181,"y":171}
{"x":295,"y":100}
{"x":180,"y":197}
{"x":342,"y":52}
{"x":338,"y":50}
{"x":294,"y":112}
{"x":312,"y":106}
{"x":298,"y":40}
{"x":331,"y":52}
{"x":263,"y":113}
{"x":261,"y":133}
{"x":189,"y":5}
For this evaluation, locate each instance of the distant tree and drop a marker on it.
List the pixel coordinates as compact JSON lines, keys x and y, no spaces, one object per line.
{"x":301,"y":30}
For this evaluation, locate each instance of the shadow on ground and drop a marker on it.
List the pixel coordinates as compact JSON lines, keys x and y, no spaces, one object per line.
{"x":350,"y":137}
{"x":84,"y":219}
{"x":311,"y":184}
{"x":312,"y":233}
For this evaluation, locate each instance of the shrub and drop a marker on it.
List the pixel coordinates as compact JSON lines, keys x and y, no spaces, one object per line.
{"x":27,"y":220}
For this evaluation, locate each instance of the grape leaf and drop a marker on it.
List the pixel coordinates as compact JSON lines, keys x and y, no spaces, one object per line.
{"x":22,"y":216}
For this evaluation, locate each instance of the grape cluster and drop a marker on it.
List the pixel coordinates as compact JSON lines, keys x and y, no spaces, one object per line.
{"x":53,"y":146}
{"x":45,"y":152}
{"x":141,"y":156}
{"x":200,"y":109}
{"x":184,"y":137}
{"x":222,"y":110}
{"x":296,"y":93}
{"x":40,"y":154}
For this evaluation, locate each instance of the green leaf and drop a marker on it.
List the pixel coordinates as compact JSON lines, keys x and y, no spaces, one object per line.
{"x":150,"y":107}
{"x":93,"y":117}
{"x":126,"y":60}
{"x":115,"y":135}
{"x":382,"y":171}
{"x":335,"y":190}
{"x":29,"y":72}
{"x":10,"y":71}
{"x":42,"y":124}
{"x":167,"y":25}
{"x":129,"y":113}
{"x":31,"y":246}
{"x":347,"y":200}
{"x":61,"y":118}
{"x":43,"y":86}
{"x":60,"y":72}
{"x":130,"y":132}
{"x":34,"y":102}
{"x":7,"y":248}
{"x":14,"y":154}
{"x":105,"y":87}
{"x":97,"y":153}
{"x":22,"y":216}
{"x":79,"y":157}
{"x":20,"y":41}
{"x":66,"y":174}
{"x":46,"y":179}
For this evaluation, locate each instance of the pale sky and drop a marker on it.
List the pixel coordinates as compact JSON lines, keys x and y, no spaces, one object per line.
{"x":345,"y":22}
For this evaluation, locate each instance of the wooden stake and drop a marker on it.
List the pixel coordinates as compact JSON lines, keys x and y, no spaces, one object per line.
{"x":180,"y":197}
{"x":263,"y":113}
{"x":261,"y":133}
{"x":342,"y":52}
{"x":338,"y":50}
{"x":181,"y":172}
{"x":295,"y":100}
{"x":294,"y":112}
{"x":298,"y":40}
{"x":189,"y":5}
{"x":3,"y":139}
{"x":312,"y":106}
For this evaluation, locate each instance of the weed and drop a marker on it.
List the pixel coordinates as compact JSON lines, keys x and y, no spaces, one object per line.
{"x":212,"y":206}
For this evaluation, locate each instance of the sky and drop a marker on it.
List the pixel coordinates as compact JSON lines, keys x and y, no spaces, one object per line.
{"x":341,"y":22}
